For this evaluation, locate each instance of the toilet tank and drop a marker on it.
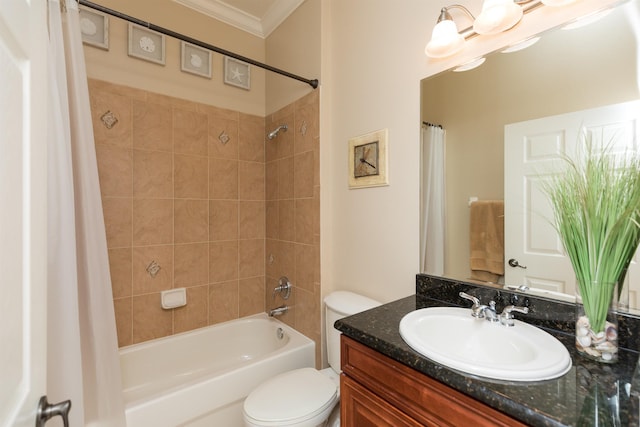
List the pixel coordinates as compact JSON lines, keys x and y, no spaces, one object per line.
{"x":341,"y":304}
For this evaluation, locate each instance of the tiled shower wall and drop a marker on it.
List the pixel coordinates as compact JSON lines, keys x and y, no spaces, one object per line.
{"x":183,"y":189}
{"x":293,"y":214}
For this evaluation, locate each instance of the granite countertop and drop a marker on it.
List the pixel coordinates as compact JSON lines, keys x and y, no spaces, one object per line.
{"x":565,"y":401}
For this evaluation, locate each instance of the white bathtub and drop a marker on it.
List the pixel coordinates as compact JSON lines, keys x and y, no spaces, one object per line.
{"x":201,"y":377}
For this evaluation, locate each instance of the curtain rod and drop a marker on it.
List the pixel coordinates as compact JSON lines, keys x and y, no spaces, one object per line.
{"x":431,"y":124}
{"x":313,"y":83}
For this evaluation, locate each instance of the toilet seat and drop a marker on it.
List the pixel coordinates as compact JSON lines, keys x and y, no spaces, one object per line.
{"x":296,"y":397}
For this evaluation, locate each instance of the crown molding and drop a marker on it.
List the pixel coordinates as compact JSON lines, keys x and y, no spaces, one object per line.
{"x":258,"y":26}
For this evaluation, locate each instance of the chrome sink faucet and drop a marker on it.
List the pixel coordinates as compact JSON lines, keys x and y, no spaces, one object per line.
{"x":482,"y":311}
{"x":488,"y":312}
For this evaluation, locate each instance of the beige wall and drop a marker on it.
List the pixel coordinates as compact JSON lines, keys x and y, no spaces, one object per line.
{"x":295,"y":47}
{"x":372,"y":63}
{"x":116,"y":66}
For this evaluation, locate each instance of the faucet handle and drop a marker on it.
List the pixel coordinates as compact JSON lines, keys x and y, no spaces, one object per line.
{"x":476,"y":301}
{"x":506,"y":318}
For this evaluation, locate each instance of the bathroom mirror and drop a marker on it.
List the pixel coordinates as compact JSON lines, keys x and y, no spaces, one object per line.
{"x":565,"y":71}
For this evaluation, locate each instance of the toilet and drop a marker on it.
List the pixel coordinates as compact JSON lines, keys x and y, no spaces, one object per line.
{"x":307,"y":397}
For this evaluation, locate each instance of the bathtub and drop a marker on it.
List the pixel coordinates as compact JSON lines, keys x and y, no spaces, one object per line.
{"x":201,"y":377}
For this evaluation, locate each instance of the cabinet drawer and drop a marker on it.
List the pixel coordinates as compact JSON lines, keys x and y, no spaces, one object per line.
{"x":422,"y":398}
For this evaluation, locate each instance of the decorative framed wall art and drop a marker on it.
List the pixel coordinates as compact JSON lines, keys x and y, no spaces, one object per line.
{"x":368,"y":160}
{"x":94,"y":27}
{"x":237,"y":73}
{"x":146,"y":44}
{"x":195,"y":60}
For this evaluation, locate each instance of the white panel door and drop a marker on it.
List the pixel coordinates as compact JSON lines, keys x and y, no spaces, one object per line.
{"x":23,"y":255}
{"x":532,"y":151}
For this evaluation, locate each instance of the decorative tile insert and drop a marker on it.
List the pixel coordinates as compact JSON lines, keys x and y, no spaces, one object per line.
{"x":224,"y":138}
{"x":109,"y":119}
{"x":153,"y":268}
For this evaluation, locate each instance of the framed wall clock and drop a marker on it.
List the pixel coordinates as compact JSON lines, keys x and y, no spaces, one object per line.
{"x":368,"y":160}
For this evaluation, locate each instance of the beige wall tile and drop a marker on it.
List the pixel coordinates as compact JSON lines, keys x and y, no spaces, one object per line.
{"x":285,"y":178}
{"x":303,"y":170}
{"x":191,"y":221}
{"x":152,"y":174}
{"x":117,"y":221}
{"x":152,"y":126}
{"x":284,"y":140}
{"x":225,"y":277}
{"x":190,"y":134}
{"x":124,"y":320}
{"x":252,"y":220}
{"x":143,"y":257}
{"x":115,"y":169}
{"x":250,"y":258}
{"x":217,"y":112}
{"x":251,"y":181}
{"x":307,"y":128}
{"x":287,"y":261}
{"x":150,"y":321}
{"x":272,"y":220}
{"x":190,"y":177}
{"x":121,"y":273}
{"x":251,"y":138}
{"x":307,"y":312}
{"x":191,"y":265}
{"x":271,"y":180}
{"x":223,"y":261}
{"x":304,"y":266}
{"x":223,"y":220}
{"x":152,"y":221}
{"x":251,"y":296}
{"x":221,"y":129}
{"x":223,"y":179}
{"x":196,"y":313}
{"x":223,"y":302}
{"x":304,"y":220}
{"x":286,"y":220}
{"x":117,"y":106}
{"x":272,"y":258}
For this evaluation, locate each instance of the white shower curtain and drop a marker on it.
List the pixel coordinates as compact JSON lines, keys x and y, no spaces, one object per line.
{"x":82,"y":349}
{"x":432,"y":201}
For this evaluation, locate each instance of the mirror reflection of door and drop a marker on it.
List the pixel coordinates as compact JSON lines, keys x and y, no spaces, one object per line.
{"x":532,"y":151}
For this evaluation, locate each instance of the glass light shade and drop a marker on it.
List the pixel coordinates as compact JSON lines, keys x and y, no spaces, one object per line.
{"x":445,"y":40}
{"x":497,"y":16}
{"x":557,"y":2}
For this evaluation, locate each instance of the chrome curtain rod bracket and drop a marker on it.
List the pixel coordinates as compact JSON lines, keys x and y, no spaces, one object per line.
{"x":313,"y":82}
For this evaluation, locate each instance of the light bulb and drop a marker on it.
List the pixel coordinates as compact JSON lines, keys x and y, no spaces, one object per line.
{"x":445,"y":40}
{"x":497,"y":16}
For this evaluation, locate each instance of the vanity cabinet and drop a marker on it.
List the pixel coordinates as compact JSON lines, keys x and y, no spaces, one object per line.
{"x":378,"y":391}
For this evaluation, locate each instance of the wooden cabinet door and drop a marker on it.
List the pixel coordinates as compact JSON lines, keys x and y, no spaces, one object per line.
{"x":361,"y":408}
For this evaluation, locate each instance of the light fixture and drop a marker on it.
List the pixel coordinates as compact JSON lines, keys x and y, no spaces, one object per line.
{"x":445,"y":38}
{"x":496,"y":17}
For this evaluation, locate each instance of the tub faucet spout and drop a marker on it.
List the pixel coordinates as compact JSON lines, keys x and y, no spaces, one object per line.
{"x":279,"y":311}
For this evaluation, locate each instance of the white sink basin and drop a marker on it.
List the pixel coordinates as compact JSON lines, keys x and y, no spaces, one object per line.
{"x":452,"y":337}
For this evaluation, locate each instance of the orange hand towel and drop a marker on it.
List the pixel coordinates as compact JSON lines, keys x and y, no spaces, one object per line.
{"x":487,"y":240}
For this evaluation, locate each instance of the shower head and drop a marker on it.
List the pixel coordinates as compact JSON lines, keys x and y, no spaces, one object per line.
{"x":274,"y":132}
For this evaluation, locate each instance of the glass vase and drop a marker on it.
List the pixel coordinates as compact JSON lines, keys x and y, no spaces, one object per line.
{"x":597,"y":321}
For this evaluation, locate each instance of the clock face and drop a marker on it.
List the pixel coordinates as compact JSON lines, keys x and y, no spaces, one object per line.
{"x":365,"y":160}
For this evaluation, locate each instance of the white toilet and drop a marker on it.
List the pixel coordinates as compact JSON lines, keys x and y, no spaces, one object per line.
{"x":307,"y":397}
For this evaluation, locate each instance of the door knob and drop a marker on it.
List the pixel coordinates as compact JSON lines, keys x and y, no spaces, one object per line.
{"x":514,"y":263}
{"x":47,"y":411}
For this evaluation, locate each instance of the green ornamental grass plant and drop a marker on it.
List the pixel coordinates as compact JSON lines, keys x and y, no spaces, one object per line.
{"x":596,"y":204}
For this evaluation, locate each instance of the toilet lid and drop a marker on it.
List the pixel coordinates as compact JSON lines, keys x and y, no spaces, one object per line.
{"x":301,"y":393}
